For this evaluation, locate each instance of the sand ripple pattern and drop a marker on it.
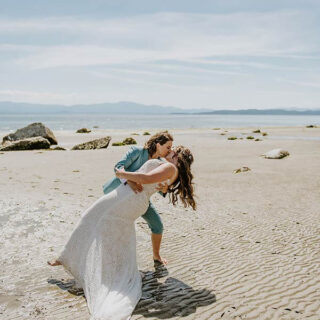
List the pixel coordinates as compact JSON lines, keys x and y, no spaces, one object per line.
{"x":224,"y":264}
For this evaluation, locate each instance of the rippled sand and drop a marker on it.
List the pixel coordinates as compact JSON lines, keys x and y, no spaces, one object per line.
{"x":250,"y":251}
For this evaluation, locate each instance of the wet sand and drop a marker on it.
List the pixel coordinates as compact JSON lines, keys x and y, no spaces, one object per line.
{"x":250,"y":251}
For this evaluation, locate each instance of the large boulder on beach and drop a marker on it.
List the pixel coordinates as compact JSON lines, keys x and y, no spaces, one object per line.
{"x":34,"y":143}
{"x":94,"y":144}
{"x":276,"y":154}
{"x":36,"y":129}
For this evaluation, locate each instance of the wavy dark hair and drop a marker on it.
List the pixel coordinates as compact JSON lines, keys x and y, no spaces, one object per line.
{"x":183,"y":186}
{"x":160,"y":137}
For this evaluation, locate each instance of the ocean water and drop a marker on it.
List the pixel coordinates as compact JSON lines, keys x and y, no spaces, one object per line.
{"x":161,"y":121}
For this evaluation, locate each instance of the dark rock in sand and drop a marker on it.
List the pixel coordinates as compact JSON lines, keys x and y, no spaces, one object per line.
{"x":36,"y":129}
{"x":242,"y":169}
{"x":94,"y":144}
{"x":129,"y":141}
{"x":34,"y":143}
{"x":118,"y":144}
{"x":83,"y":130}
{"x":58,"y":148}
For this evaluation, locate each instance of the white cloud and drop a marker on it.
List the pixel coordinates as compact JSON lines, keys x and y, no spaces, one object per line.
{"x":162,"y":36}
{"x":188,"y":60}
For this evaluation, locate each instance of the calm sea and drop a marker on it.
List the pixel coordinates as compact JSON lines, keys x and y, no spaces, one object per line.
{"x":139,"y":121}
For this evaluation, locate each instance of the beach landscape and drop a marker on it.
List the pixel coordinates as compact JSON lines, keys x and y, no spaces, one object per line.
{"x":250,"y":251}
{"x":237,"y":82}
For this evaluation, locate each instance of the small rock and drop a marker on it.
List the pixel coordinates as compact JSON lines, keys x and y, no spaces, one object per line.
{"x":83,"y":130}
{"x":311,"y":126}
{"x":58,"y":148}
{"x":250,"y":137}
{"x":242,"y":169}
{"x":256,"y":131}
{"x":26,"y":144}
{"x":118,"y":144}
{"x":216,"y":129}
{"x":95,"y":127}
{"x":232,"y":138}
{"x":257,"y":139}
{"x":129,"y":141}
{"x":146,"y":133}
{"x":264,"y":134}
{"x":94,"y":144}
{"x":276,"y":154}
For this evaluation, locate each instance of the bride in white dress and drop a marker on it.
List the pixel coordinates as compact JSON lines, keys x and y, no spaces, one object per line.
{"x":101,"y":251}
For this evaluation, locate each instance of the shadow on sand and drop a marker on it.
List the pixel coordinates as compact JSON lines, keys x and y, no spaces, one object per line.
{"x":162,"y":300}
{"x":170,"y":298}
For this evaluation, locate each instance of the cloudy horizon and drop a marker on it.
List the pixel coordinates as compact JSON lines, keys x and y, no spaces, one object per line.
{"x":210,"y":56}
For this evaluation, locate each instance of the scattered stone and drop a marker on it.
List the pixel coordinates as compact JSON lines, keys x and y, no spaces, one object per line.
{"x":146,"y":133}
{"x":257,"y":139}
{"x":36,"y":129}
{"x":256,"y":131}
{"x":222,"y":134}
{"x":129,"y":141}
{"x":101,"y":143}
{"x":264,"y":133}
{"x":216,"y":129}
{"x":95,"y":127}
{"x":83,"y":130}
{"x":232,"y":138}
{"x":311,"y":126}
{"x":242,"y":169}
{"x":276,"y":154}
{"x":35,"y":143}
{"x":250,"y":137}
{"x":58,"y":148}
{"x":118,"y":144}
{"x":134,"y":134}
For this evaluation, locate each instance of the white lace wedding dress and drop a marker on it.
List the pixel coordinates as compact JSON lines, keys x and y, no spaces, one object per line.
{"x":101,"y":251}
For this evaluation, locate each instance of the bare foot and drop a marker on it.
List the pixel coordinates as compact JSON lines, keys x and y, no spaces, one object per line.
{"x":160,"y":260}
{"x":54,"y":263}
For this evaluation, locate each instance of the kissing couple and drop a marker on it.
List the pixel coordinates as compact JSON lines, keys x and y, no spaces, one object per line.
{"x":101,"y":251}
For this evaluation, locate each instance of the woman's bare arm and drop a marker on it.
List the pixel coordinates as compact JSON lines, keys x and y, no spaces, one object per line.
{"x":162,"y":173}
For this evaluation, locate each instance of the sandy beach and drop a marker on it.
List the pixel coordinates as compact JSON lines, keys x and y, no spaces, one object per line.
{"x":250,"y":251}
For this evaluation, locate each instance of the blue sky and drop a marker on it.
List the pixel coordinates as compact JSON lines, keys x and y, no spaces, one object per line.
{"x":191,"y":54}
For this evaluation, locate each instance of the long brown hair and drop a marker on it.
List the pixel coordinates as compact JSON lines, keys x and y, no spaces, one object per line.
{"x":160,"y":137}
{"x":183,"y":186}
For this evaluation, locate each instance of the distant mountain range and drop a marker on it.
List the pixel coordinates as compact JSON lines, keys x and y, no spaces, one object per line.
{"x":131,"y":107}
